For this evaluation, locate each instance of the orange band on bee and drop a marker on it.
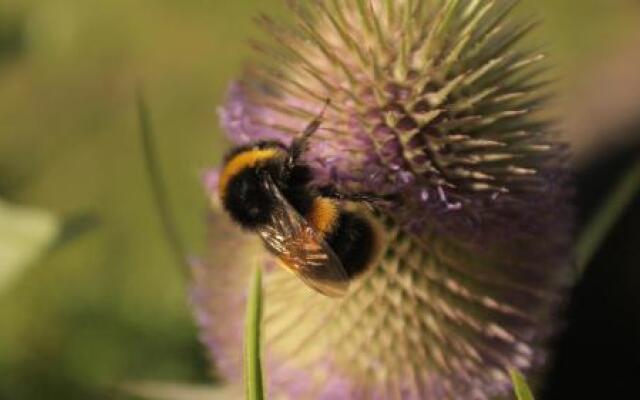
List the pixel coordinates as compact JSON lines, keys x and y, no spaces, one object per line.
{"x":287,"y":265}
{"x":323,"y":214}
{"x":246,"y":159}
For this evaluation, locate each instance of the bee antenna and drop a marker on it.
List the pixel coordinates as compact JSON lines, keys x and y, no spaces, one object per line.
{"x":315,"y":124}
{"x":327,"y":102}
{"x":299,"y":145}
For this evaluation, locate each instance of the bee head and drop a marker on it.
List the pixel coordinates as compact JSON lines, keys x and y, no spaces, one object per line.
{"x":247,"y":200}
{"x":242,"y":183}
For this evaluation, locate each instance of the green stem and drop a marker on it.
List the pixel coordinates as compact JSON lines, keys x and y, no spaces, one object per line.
{"x":158,"y":188}
{"x":605,"y":218}
{"x":252,"y":364}
{"x":520,"y":386}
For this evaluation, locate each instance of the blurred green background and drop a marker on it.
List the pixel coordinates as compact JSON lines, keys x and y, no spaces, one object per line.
{"x":105,"y":302}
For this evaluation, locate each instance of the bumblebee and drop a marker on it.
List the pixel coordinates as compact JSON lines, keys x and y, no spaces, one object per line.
{"x":325,"y":237}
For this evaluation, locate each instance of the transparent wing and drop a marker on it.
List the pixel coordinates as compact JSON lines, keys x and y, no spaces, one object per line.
{"x":301,"y":249}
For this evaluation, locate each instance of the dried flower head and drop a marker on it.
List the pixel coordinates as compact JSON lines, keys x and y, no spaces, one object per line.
{"x":429,"y":100}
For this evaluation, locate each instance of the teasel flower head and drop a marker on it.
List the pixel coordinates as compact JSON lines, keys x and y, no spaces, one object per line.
{"x":435,"y":102}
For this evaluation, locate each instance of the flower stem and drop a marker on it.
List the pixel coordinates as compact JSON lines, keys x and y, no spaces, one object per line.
{"x":158,"y":187}
{"x":520,"y":386}
{"x":252,"y":363}
{"x":605,"y":218}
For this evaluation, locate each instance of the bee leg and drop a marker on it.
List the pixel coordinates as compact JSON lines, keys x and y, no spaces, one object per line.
{"x":332,"y":192}
{"x":299,"y":144}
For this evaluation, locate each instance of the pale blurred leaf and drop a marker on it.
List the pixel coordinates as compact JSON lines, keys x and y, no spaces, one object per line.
{"x":151,"y":390}
{"x":25,"y":233}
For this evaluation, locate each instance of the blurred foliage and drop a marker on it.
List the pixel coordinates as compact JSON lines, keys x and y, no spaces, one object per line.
{"x":597,"y":352}
{"x":24,"y":235}
{"x":11,"y":37}
{"x":176,"y":391}
{"x":112,"y":306}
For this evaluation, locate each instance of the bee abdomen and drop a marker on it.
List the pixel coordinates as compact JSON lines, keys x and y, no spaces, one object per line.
{"x":353,"y":239}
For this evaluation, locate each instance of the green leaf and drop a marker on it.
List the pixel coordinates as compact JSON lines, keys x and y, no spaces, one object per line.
{"x":520,"y":386}
{"x":156,"y":180}
{"x":25,"y":234}
{"x":152,"y":390}
{"x":252,"y":363}
{"x":605,"y":218}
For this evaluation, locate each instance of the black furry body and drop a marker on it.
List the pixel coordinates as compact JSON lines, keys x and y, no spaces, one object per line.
{"x":250,"y":204}
{"x":353,"y":240}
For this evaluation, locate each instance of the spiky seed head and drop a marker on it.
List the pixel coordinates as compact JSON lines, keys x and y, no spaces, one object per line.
{"x":432,"y":101}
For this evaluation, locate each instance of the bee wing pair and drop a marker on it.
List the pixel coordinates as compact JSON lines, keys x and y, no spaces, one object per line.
{"x":301,"y":248}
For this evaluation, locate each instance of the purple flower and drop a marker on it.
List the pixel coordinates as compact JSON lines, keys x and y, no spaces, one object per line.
{"x":432,"y":101}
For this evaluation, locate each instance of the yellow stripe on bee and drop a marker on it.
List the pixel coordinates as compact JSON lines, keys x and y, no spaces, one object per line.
{"x":323,"y":214}
{"x":246,"y":159}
